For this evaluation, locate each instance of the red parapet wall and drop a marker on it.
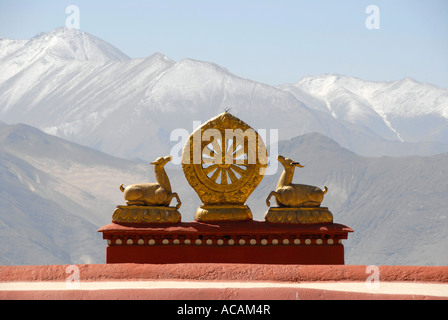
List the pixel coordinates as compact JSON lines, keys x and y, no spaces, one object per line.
{"x":224,"y":272}
{"x":242,"y":242}
{"x":219,"y":273}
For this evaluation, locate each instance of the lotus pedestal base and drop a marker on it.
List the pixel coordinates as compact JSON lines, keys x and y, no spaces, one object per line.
{"x":146,"y":214}
{"x":299,"y":215}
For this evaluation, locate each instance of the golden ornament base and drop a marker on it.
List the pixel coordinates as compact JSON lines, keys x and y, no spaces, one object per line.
{"x":299,"y":215}
{"x":223,"y":212}
{"x":146,"y":214}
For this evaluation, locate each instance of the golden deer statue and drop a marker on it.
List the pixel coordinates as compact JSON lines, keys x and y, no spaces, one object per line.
{"x":288,"y":194}
{"x":152,"y":194}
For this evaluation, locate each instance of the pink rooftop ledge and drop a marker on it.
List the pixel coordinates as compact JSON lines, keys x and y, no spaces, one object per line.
{"x":207,"y":281}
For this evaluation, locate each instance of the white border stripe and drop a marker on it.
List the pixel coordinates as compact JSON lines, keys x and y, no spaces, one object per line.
{"x":407,"y":288}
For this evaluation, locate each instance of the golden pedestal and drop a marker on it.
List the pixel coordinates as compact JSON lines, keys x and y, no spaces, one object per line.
{"x":299,"y":215}
{"x":209,"y":213}
{"x":146,"y":214}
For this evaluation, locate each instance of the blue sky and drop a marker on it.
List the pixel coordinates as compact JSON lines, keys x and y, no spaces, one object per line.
{"x":273,"y":42}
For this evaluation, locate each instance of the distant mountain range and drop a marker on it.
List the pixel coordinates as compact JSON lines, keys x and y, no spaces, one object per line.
{"x":55,"y":195}
{"x":83,"y":103}
{"x":78,"y":87}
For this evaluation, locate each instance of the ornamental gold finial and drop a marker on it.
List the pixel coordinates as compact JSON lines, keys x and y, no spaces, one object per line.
{"x":224,"y":160}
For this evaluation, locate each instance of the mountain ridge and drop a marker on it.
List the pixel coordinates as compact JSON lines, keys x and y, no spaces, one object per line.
{"x":103,"y":103}
{"x":393,"y":102}
{"x":69,"y":44}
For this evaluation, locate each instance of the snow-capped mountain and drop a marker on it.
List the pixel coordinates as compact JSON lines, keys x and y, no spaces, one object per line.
{"x":403,"y":110}
{"x":73,"y":85}
{"x":61,"y":43}
{"x":55,"y":193}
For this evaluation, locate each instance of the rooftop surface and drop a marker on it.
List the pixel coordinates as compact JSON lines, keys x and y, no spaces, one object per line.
{"x":223,"y":282}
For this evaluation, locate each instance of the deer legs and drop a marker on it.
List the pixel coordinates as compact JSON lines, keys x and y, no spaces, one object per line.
{"x":273,"y":193}
{"x":174,"y":195}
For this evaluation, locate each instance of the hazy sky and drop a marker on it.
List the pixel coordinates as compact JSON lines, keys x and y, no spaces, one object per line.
{"x":272,"y":42}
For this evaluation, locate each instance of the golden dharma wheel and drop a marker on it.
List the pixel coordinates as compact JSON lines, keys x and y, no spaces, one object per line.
{"x":224,"y":160}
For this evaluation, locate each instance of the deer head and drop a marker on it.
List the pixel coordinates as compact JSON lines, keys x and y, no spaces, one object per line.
{"x":288,"y":163}
{"x":162,"y":161}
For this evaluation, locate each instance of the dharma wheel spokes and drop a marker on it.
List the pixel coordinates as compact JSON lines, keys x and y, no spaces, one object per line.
{"x":225,"y":161}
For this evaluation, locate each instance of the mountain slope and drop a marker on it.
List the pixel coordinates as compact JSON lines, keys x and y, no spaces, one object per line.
{"x":35,"y":229}
{"x":55,"y":195}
